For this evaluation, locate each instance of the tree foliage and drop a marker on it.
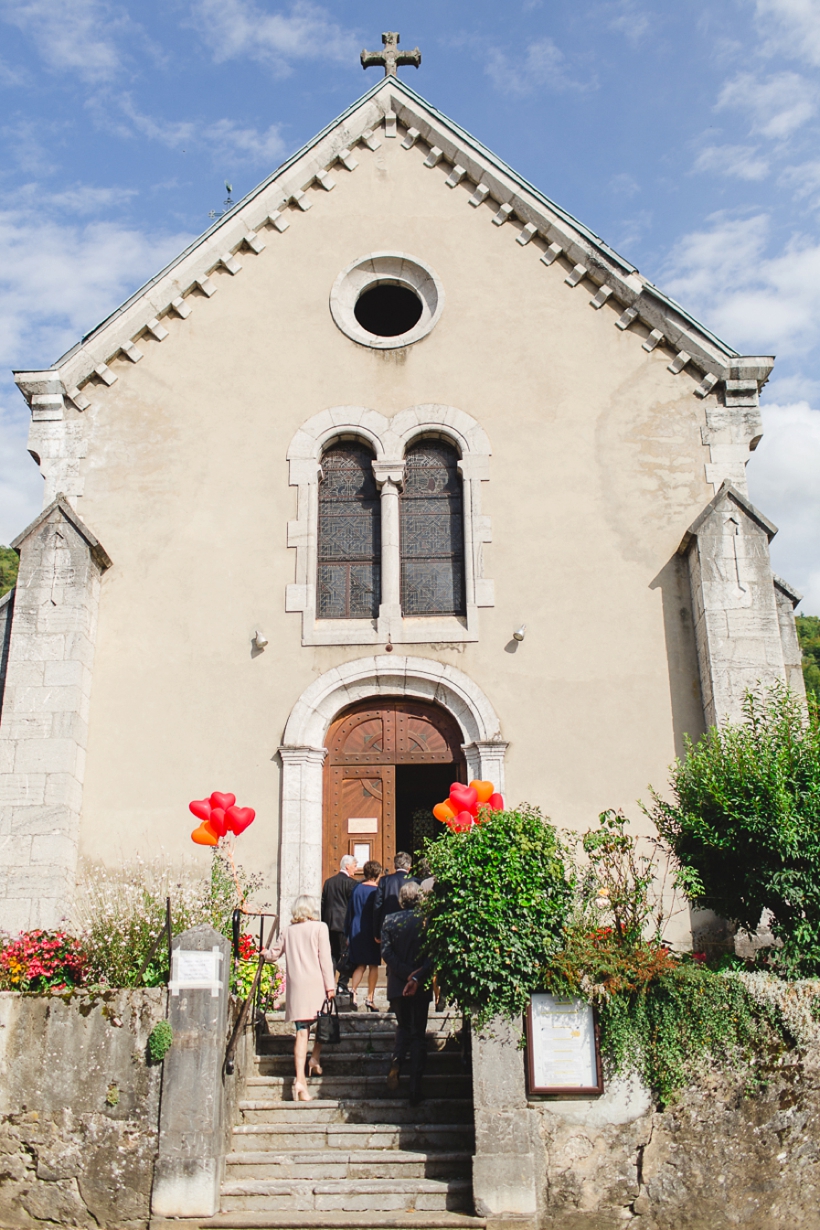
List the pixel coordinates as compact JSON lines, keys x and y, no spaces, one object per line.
{"x":808,"y":634}
{"x":497,"y":911}
{"x":745,"y":823}
{"x":9,"y":562}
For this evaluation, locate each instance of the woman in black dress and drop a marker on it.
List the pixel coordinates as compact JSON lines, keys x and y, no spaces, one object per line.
{"x":363,"y":951}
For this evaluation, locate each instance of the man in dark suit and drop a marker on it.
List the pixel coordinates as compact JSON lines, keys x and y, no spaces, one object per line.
{"x":387,"y":893}
{"x":408,"y":989}
{"x":336,"y":893}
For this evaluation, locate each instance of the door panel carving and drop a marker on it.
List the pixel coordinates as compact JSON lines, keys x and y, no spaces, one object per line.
{"x":364,"y":746}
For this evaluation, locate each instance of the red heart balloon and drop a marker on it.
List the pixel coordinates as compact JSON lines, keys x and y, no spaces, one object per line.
{"x":465,"y":798}
{"x":463,"y":822}
{"x":496,"y":802}
{"x":238,"y":818}
{"x":201,"y":808}
{"x":204,"y":835}
{"x":218,"y":822}
{"x":222,"y":800}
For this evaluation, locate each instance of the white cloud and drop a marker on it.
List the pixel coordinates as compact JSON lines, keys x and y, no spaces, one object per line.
{"x":783,"y":483}
{"x":543,"y":64}
{"x":742,"y":161}
{"x":234,"y":29}
{"x":73,"y":35}
{"x":758,"y":303}
{"x":228,"y":141}
{"x":778,"y":105}
{"x":57,"y":280}
{"x":623,"y":184}
{"x":791,"y":27}
{"x":629,"y":19}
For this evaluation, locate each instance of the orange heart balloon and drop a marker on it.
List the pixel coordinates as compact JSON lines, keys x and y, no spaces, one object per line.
{"x":444,"y":812}
{"x":483,"y":790}
{"x":204,"y":835}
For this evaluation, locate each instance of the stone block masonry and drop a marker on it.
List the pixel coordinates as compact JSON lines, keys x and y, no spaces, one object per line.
{"x":48,"y":660}
{"x":79,"y":1108}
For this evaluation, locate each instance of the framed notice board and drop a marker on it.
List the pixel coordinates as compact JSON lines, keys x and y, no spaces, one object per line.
{"x":563,"y":1052}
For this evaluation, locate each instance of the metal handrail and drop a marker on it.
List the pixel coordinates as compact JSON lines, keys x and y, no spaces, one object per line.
{"x":241,"y":1020}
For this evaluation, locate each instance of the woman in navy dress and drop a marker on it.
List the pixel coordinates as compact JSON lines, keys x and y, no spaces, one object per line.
{"x":363,"y":951}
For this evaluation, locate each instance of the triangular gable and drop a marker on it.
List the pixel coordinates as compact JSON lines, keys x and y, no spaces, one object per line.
{"x":726,"y":493}
{"x":95,"y":547}
{"x":372,"y":118}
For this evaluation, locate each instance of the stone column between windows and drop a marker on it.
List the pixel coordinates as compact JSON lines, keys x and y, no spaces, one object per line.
{"x":389,"y":479}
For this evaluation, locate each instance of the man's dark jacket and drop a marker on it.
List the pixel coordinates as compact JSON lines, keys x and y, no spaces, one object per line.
{"x":387,"y":897}
{"x":402,"y":950}
{"x":336,"y":893}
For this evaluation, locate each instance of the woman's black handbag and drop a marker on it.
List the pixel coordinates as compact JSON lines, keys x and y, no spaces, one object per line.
{"x":328,"y":1031}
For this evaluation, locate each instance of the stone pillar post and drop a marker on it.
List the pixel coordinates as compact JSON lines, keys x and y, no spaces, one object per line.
{"x":389,"y":477}
{"x":300,"y":854}
{"x":188,"y":1170}
{"x":737,"y":630}
{"x":506,"y":1165}
{"x":44,"y":724}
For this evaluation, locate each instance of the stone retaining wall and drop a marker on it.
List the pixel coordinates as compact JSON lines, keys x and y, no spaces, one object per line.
{"x":79,"y":1108}
{"x":725,"y":1156}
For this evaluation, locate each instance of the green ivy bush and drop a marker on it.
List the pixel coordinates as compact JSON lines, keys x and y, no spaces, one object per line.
{"x":497,"y":911}
{"x":744,"y":823}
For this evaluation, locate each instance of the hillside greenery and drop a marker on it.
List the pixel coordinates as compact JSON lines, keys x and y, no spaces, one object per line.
{"x":808,"y":634}
{"x":9,"y":561}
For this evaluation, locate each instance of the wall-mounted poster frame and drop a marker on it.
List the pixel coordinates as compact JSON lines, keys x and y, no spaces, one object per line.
{"x":563,"y":1032}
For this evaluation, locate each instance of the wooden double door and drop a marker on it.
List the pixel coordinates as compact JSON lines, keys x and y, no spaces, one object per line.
{"x":384,"y":758}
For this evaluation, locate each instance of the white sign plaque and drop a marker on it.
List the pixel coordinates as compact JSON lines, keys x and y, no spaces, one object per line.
{"x":361,"y":853}
{"x":196,"y":970}
{"x":362,"y":824}
{"x":562,"y":1046}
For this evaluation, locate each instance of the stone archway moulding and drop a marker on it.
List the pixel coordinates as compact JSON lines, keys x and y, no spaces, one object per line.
{"x":303,"y":752}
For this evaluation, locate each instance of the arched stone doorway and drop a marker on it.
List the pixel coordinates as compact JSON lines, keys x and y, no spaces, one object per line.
{"x":303,"y":751}
{"x":388,"y":761}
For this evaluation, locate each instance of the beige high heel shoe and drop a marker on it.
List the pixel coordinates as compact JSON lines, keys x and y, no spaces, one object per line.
{"x":300,"y":1092}
{"x":314,"y":1068}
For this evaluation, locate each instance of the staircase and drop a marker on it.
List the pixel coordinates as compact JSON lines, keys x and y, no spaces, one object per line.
{"x":357,"y":1155}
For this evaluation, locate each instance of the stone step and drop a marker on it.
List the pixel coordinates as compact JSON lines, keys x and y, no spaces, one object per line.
{"x":328,"y":1164}
{"x":361,"y":1021}
{"x":365,"y":1195}
{"x":350,"y":1087}
{"x":332,"y":1136}
{"x":338,"y":1220}
{"x":358,"y":1042}
{"x":337,"y":1062}
{"x":357,"y":1110}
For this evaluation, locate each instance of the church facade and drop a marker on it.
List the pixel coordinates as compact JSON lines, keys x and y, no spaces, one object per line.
{"x":397,"y":475}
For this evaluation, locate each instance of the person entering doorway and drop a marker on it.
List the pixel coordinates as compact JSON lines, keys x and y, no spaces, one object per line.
{"x":336,"y":893}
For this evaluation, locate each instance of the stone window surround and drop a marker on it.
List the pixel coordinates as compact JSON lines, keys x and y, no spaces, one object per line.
{"x":303,"y":751}
{"x":389,"y":438}
{"x":378,"y":269}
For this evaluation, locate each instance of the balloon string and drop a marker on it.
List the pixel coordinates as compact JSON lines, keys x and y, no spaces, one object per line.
{"x":242,"y":896}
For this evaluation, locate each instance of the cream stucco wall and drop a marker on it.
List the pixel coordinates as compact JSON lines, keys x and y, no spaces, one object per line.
{"x":597,"y":470}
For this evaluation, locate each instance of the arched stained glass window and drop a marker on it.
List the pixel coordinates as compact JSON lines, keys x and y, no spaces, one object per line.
{"x":349,"y":567}
{"x":432,"y":531}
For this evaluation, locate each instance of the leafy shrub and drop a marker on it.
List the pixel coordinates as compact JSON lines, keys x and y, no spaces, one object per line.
{"x":159,"y":1041}
{"x":9,"y":564}
{"x":39,"y":960}
{"x":271,"y":980}
{"x":745,"y":823}
{"x":689,"y":1018}
{"x":119,"y":913}
{"x":808,"y":634}
{"x":497,"y":910}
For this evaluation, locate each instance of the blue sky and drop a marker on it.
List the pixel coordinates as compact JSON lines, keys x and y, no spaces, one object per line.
{"x":686,"y":135}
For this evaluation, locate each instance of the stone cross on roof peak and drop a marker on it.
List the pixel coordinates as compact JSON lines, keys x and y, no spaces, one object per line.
{"x":391,"y":57}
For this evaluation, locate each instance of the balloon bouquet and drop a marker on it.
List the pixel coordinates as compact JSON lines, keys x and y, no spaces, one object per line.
{"x":468,"y":805}
{"x":220,"y":816}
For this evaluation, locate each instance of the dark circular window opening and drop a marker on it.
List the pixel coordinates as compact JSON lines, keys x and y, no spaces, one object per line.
{"x":388,"y":310}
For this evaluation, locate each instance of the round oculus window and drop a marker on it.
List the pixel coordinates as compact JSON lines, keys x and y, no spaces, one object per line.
{"x":386,"y":300}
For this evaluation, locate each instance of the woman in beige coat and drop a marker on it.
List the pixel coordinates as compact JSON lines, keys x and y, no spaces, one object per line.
{"x":305,"y":945}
